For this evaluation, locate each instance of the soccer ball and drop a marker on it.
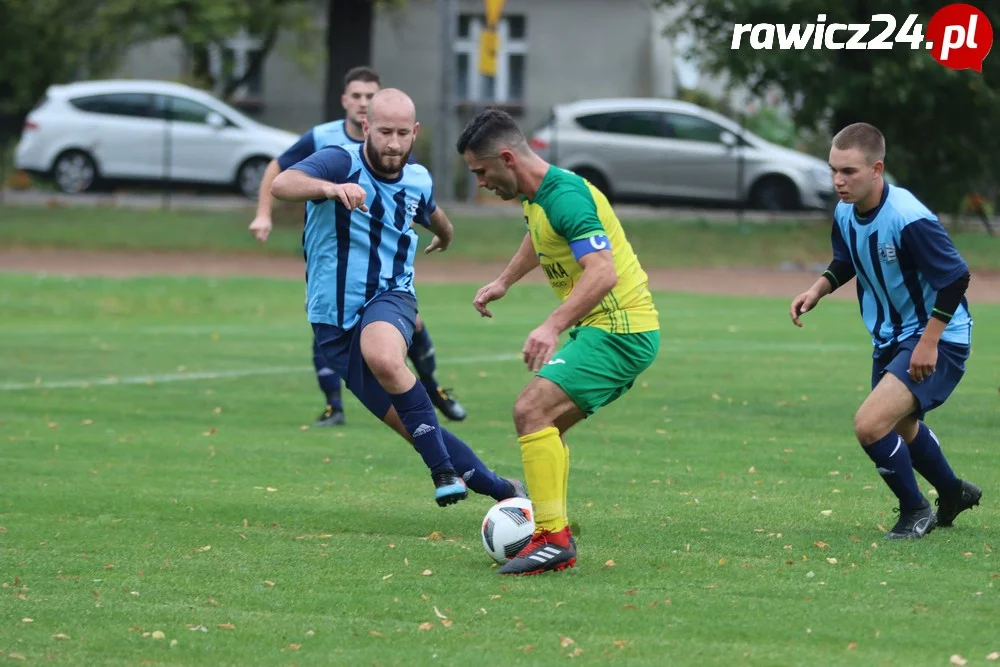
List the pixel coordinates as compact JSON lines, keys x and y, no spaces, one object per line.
{"x":507,"y":528}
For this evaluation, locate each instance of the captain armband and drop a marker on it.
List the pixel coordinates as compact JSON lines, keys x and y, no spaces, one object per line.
{"x":595,"y":243}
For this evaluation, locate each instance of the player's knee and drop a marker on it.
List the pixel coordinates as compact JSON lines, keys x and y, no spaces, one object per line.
{"x":525,"y":414}
{"x":385,"y":365}
{"x":868,"y":428}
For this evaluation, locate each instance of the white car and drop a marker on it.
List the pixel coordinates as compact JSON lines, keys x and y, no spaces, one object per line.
{"x":153,"y":131}
{"x":648,"y":149}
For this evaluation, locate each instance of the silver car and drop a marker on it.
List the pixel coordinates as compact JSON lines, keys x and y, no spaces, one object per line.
{"x":654,"y":149}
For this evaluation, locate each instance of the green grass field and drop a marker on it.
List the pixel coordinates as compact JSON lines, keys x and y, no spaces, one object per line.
{"x":663,"y":243}
{"x":163,"y":504}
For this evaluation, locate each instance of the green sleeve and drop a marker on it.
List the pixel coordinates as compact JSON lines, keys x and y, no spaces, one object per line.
{"x":573,"y":215}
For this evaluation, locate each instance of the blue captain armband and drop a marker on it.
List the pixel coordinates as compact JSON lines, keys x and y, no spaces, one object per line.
{"x":595,"y":243}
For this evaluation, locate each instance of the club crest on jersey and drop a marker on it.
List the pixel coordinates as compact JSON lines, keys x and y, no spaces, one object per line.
{"x":887,"y":252}
{"x":411,"y":210}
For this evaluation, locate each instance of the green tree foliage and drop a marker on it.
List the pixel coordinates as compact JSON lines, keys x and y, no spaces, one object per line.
{"x":47,"y":41}
{"x":940,"y":124}
{"x":54,"y":41}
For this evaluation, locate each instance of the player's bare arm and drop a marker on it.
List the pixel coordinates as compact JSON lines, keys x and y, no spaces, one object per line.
{"x":597,"y":280}
{"x":520,"y":265}
{"x":261,"y":225}
{"x":806,"y":301}
{"x":297,"y":186}
{"x":443,"y":231}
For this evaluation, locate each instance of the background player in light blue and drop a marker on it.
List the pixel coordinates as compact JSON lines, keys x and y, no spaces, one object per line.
{"x":360,"y":84}
{"x":911,"y":285}
{"x":362,"y":203}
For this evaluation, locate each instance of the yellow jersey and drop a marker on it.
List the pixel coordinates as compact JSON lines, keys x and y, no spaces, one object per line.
{"x":567,"y":210}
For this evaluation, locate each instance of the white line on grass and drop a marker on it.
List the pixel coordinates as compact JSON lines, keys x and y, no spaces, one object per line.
{"x":216,"y":375}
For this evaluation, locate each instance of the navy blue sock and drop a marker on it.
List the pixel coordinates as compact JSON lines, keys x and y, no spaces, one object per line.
{"x":929,"y":461}
{"x":328,"y":379}
{"x":417,"y":413}
{"x":476,"y":474}
{"x":892,"y":459}
{"x":421,"y":353}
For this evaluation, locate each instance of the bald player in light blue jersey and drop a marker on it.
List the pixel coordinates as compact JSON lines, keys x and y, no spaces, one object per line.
{"x":362,"y":203}
{"x":360,"y":84}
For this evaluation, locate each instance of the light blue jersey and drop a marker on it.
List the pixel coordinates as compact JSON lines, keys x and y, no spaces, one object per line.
{"x":902,"y":256}
{"x":352,"y":256}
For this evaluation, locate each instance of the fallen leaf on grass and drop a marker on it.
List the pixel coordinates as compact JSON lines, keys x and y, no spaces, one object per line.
{"x":576,"y":653}
{"x":27,"y":620}
{"x":293,"y":647}
{"x":826,"y":512}
{"x":446,"y":623}
{"x":60,"y":635}
{"x":206,"y":548}
{"x":852,"y":646}
{"x":271,"y":489}
{"x":427,"y":573}
{"x":566,"y":641}
{"x":957,"y":660}
{"x":16,"y":656}
{"x":831,"y":561}
{"x":609,"y":563}
{"x":386,"y":576}
{"x":270,"y":583}
{"x":425,"y":626}
{"x":994,"y":656}
{"x":438,"y":613}
{"x":435,"y":536}
{"x":821,"y":544}
{"x":621,"y":643}
{"x":158,"y":634}
{"x":375,"y":633}
{"x":528,"y":648}
{"x":226,"y":626}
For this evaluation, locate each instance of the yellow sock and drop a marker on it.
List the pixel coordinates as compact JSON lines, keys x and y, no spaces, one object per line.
{"x":544,"y":458}
{"x":565,"y":486}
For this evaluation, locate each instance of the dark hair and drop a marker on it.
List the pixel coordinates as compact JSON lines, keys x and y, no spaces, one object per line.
{"x":486,"y":130}
{"x":865,"y":138}
{"x":362,"y":73}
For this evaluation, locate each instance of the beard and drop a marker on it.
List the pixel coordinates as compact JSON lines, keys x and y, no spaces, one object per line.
{"x":383,"y":163}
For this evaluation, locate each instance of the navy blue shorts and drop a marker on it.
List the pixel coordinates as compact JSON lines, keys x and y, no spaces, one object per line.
{"x":936,"y":389}
{"x":342,"y":349}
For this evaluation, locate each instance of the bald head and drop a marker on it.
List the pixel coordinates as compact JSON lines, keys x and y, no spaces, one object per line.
{"x":392,"y":105}
{"x":390,"y":128}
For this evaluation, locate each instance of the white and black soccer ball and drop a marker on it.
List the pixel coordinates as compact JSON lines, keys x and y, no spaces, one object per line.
{"x":507,"y":528}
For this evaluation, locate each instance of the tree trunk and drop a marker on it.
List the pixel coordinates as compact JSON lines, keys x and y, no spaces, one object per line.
{"x":349,"y":44}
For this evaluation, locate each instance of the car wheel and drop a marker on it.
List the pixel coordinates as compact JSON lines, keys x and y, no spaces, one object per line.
{"x":775,"y":193}
{"x":249,"y":174}
{"x":74,"y":172}
{"x":596,"y":179}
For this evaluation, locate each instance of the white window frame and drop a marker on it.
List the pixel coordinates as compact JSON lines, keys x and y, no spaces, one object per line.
{"x":470,"y":47}
{"x":241,"y":46}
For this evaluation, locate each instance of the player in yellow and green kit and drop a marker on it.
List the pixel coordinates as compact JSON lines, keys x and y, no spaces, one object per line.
{"x":614,"y":329}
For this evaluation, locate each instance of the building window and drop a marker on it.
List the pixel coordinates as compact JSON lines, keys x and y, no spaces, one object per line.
{"x":230,"y":61}
{"x":508,"y":84}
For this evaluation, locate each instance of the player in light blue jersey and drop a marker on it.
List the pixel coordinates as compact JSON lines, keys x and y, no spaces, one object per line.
{"x":362,"y":203}
{"x":360,"y":84}
{"x":911,"y":284}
